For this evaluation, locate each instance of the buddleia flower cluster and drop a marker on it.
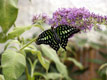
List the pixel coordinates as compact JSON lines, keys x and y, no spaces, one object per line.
{"x":41,"y":18}
{"x":77,"y":17}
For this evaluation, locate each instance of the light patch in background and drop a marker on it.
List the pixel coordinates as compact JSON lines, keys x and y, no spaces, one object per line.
{"x":103,"y":27}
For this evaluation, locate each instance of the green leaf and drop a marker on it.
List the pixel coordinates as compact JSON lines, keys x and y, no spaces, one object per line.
{"x":13,"y":64}
{"x":32,"y":64}
{"x":103,"y":66}
{"x":23,"y":77}
{"x":38,"y":74}
{"x":51,"y":54}
{"x":1,"y":77}
{"x":62,"y":69}
{"x":8,"y":13}
{"x":45,"y":63}
{"x":10,"y":42}
{"x":53,"y":76}
{"x":32,"y":68}
{"x":78,"y":64}
{"x":18,"y":31}
{"x":103,"y":71}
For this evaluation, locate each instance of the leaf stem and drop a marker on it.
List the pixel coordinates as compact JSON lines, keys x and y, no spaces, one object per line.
{"x":32,"y":39}
{"x":28,"y":43}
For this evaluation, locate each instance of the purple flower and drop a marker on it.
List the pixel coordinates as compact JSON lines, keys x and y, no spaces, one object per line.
{"x":77,"y":17}
{"x":70,"y":16}
{"x":35,"y":18}
{"x":43,"y":18}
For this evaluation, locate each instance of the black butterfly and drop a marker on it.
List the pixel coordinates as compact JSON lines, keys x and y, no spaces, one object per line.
{"x":56,"y":37}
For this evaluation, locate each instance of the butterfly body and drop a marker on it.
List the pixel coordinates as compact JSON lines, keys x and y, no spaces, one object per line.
{"x":57,"y":37}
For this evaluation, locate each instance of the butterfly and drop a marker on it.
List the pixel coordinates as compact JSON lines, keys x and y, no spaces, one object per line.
{"x":56,"y":37}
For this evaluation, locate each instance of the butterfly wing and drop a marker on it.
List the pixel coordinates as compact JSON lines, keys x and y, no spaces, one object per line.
{"x":64,"y":32}
{"x":47,"y":37}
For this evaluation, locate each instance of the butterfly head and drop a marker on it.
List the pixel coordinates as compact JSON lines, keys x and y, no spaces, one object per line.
{"x":76,"y":30}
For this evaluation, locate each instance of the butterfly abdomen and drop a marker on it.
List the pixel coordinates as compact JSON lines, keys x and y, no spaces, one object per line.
{"x":56,"y":37}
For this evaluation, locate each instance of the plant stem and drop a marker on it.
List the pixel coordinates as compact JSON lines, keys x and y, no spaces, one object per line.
{"x":18,"y":36}
{"x":28,"y":43}
{"x":26,"y":68}
{"x":26,"y":71}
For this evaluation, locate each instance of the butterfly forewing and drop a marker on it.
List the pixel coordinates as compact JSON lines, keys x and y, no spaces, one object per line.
{"x":64,"y":32}
{"x":47,"y":37}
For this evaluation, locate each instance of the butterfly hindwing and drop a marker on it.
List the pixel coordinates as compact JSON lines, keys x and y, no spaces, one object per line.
{"x":63,"y":43}
{"x":47,"y":37}
{"x":64,"y":32}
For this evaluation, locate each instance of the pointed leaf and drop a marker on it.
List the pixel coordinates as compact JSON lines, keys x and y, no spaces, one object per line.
{"x":51,"y":54}
{"x":8,"y":13}
{"x":45,"y":63}
{"x":18,"y":31}
{"x":76,"y":62}
{"x":49,"y":76}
